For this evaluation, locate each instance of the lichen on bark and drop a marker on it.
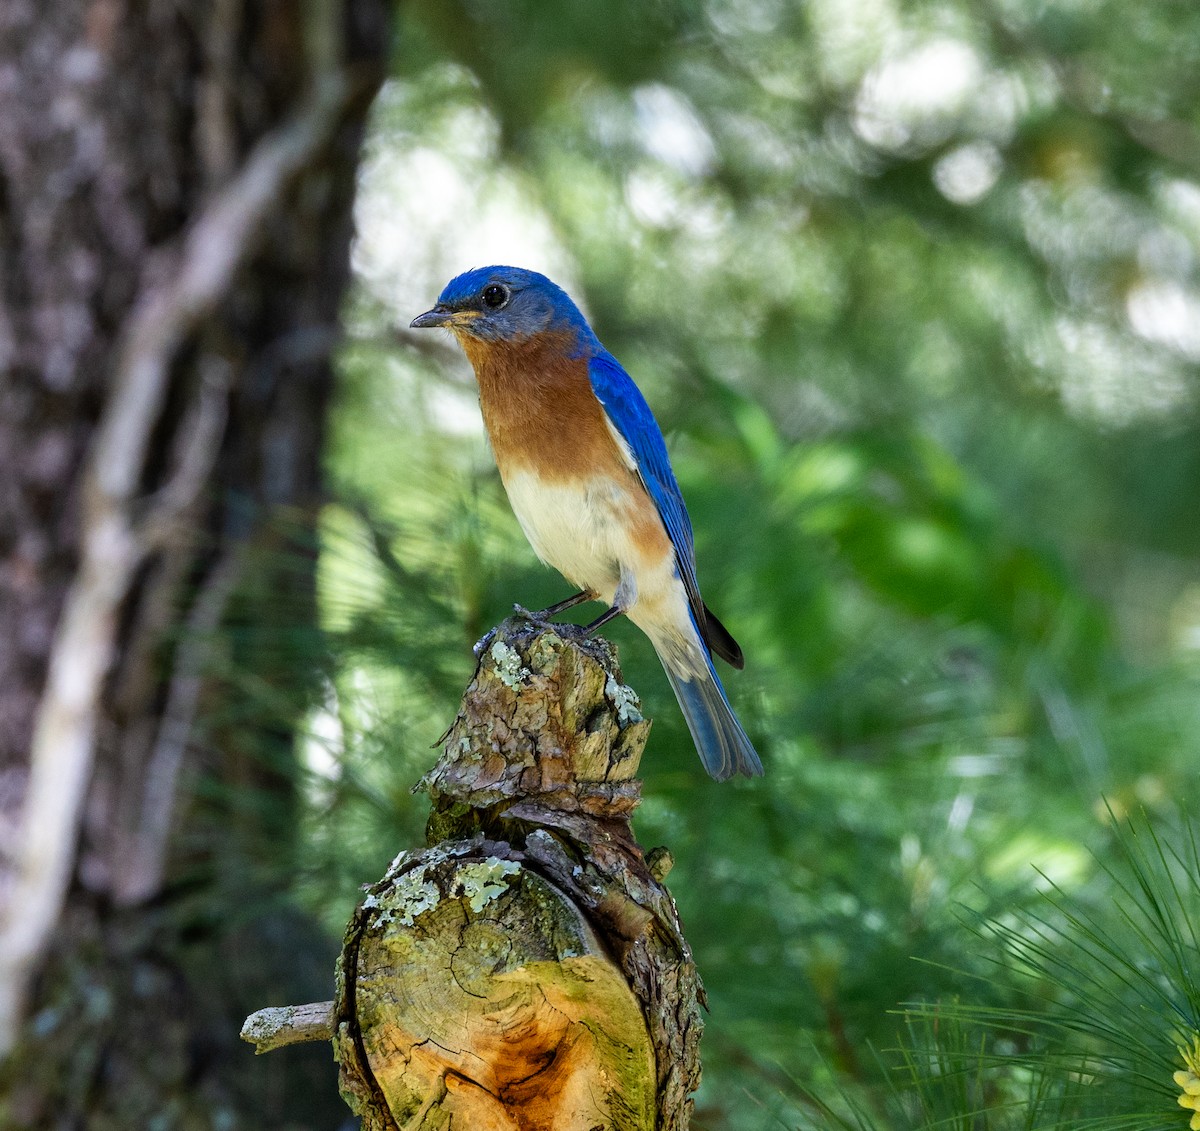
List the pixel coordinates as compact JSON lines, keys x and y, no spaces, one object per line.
{"x":528,"y":969}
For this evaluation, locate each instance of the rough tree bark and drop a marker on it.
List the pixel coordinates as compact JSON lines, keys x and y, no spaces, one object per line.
{"x":528,"y":969}
{"x":175,"y":187}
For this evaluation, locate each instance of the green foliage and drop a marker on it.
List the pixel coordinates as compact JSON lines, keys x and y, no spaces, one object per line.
{"x":1105,"y":991}
{"x":913,"y":289}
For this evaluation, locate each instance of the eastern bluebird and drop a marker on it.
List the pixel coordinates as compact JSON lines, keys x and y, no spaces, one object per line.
{"x":586,"y":470}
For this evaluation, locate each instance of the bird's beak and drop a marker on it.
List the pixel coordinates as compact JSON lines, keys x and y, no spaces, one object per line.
{"x":438,"y":316}
{"x":442,"y":316}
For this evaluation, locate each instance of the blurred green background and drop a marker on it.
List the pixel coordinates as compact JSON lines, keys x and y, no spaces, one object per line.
{"x":913,"y":290}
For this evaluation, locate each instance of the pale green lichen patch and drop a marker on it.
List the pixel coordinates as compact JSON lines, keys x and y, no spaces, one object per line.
{"x":625,"y":700}
{"x":484,"y":881}
{"x":414,"y":895}
{"x":508,"y":664}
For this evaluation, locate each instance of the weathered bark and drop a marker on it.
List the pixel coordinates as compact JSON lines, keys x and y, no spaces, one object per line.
{"x":175,"y":189}
{"x":528,"y":969}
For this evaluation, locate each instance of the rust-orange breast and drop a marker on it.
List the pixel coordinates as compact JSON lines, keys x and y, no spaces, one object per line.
{"x":540,"y":411}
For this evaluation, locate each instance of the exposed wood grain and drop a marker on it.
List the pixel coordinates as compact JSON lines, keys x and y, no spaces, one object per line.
{"x":477,"y":978}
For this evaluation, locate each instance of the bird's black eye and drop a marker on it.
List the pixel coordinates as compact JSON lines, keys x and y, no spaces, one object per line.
{"x":495,"y":296}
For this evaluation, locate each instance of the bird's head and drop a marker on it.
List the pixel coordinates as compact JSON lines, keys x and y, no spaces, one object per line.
{"x":505,"y":304}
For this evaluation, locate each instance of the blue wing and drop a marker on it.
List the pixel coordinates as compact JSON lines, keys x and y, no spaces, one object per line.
{"x":632,"y":418}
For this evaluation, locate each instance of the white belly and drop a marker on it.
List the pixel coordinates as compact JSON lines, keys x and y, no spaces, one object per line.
{"x":583,"y":532}
{"x":575,"y":529}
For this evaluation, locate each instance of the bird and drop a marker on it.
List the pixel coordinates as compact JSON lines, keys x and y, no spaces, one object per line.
{"x":586,"y":470}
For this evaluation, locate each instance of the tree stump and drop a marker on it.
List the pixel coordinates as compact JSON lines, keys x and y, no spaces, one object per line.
{"x":527,"y":970}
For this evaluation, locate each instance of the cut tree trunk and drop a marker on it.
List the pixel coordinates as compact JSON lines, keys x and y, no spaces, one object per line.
{"x":527,"y":970}
{"x":176,"y":178}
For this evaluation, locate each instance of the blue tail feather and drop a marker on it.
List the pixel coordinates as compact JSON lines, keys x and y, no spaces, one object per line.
{"x":720,"y":740}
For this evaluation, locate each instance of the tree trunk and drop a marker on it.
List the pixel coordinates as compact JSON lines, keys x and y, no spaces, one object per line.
{"x":528,"y":969}
{"x":175,"y":189}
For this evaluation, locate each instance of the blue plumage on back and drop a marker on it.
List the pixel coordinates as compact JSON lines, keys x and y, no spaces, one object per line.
{"x":632,"y":418}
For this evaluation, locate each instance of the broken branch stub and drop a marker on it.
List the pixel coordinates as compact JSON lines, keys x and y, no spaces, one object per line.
{"x":527,"y":970}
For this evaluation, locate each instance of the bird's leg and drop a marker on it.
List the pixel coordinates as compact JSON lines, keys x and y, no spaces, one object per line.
{"x":551,"y":611}
{"x":623,"y":600}
{"x":602,"y":620}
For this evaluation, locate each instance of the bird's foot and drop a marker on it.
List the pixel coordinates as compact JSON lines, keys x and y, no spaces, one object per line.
{"x":565,"y":630}
{"x":540,"y":619}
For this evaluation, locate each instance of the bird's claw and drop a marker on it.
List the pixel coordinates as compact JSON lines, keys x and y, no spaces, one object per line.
{"x":483,"y":643}
{"x":537,"y":619}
